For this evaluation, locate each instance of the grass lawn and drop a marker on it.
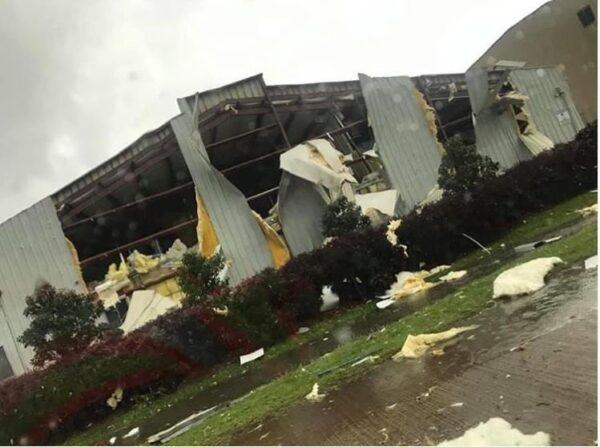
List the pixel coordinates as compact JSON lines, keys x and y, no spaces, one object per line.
{"x":537,"y":225}
{"x":292,"y":387}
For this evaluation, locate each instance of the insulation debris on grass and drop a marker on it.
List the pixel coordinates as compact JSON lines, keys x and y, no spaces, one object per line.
{"x":407,"y":283}
{"x":385,"y":303}
{"x":454,"y":276}
{"x":525,"y":278}
{"x":115,"y":398}
{"x":390,"y":234}
{"x":133,"y":432}
{"x":303,"y":330}
{"x":314,"y":395}
{"x":497,"y":431}
{"x":252,"y":356}
{"x":533,"y":245}
{"x":592,"y":262}
{"x":367,"y":359}
{"x":417,"y":345}
{"x":589,"y":210}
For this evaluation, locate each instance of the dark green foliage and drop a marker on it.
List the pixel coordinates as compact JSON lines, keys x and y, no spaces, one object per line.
{"x":63,"y":322}
{"x":341,"y":217}
{"x":463,"y":168}
{"x":198,"y":277}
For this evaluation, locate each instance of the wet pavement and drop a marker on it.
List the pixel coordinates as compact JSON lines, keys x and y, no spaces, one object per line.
{"x":533,"y":362}
{"x":263,"y":371}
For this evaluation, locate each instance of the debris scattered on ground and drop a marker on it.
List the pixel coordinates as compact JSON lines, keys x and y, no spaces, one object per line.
{"x":179,"y":428}
{"x":264,"y":436}
{"x":453,"y":276}
{"x":133,"y":432}
{"x":384,"y":303}
{"x":533,"y":245}
{"x":517,"y":348}
{"x":457,"y":404}
{"x":314,"y":395}
{"x":303,"y":330}
{"x":252,"y":356}
{"x":115,"y":398}
{"x":416,"y":345}
{"x":592,"y":262}
{"x":386,"y":437}
{"x":112,"y":440}
{"x":407,"y":283}
{"x":330,"y":300}
{"x":477,"y":243}
{"x":588,"y":210}
{"x":367,"y":359}
{"x":438,"y":269}
{"x":224,"y":311}
{"x":525,"y":278}
{"x":391,"y":407}
{"x":497,"y":431}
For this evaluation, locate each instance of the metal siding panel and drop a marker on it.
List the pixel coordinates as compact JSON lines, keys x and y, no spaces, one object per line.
{"x":239,"y":234}
{"x":407,"y":148}
{"x":32,"y":248}
{"x":301,"y":208}
{"x":540,"y":85}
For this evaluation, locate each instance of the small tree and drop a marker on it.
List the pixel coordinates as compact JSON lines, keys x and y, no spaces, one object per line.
{"x":341,"y":217}
{"x":198,"y":277}
{"x":463,"y":168}
{"x":63,"y":322}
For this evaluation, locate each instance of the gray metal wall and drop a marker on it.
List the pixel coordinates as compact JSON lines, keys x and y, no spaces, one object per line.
{"x":541,"y":85}
{"x":300,"y":210}
{"x":405,"y":144}
{"x":240,"y":236}
{"x":33,"y":249}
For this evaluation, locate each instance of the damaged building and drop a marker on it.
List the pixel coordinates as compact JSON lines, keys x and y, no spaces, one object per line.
{"x":247,"y":170}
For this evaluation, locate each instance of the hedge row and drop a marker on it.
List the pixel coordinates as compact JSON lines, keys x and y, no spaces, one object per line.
{"x":267,"y":308}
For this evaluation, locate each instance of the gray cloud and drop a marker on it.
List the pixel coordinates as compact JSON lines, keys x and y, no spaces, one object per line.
{"x":81,"y":79}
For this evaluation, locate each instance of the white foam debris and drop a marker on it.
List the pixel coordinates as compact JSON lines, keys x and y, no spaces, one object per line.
{"x":112,"y":440}
{"x":390,"y":234}
{"x":592,"y":262}
{"x":497,"y":431}
{"x":417,"y":345}
{"x":407,"y":283}
{"x":525,"y":278}
{"x":367,"y":359}
{"x":454,"y":276}
{"x":303,"y":330}
{"x":588,"y":210}
{"x":330,"y":299}
{"x":314,"y":395}
{"x":384,"y":303}
{"x":132,"y":432}
{"x":457,"y":404}
{"x":251,"y":356}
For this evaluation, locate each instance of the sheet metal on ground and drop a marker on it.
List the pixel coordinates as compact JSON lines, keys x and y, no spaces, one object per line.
{"x":301,"y":208}
{"x":239,"y":234}
{"x":548,"y":385}
{"x":33,"y":249}
{"x":407,"y":148}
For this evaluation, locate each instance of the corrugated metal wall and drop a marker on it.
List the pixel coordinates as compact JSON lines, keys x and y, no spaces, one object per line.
{"x":300,"y":210}
{"x":239,"y":234}
{"x":542,"y":85}
{"x":405,"y":144}
{"x":33,"y":249}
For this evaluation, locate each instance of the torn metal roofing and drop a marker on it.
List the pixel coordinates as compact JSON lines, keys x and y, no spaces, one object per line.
{"x":408,"y":149}
{"x":34,"y":250}
{"x":240,"y":236}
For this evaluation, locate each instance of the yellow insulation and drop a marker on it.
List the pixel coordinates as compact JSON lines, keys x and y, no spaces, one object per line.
{"x":207,"y":236}
{"x":278,"y":248}
{"x":429,"y":114}
{"x":75,"y":257}
{"x":168,"y":288}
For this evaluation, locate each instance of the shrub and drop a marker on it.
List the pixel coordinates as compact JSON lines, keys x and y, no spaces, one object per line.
{"x":198,"y":277}
{"x":463,"y":168}
{"x":63,"y":322}
{"x":341,"y":217}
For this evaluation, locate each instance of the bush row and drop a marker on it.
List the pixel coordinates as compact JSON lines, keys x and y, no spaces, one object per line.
{"x":268,"y":307}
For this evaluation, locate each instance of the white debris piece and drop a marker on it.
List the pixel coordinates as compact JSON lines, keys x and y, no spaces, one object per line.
{"x":589,"y":210}
{"x":303,"y":330}
{"x":384,"y":303}
{"x":146,"y":306}
{"x":115,"y":398}
{"x":457,"y":404}
{"x":112,"y":440}
{"x":382,"y":201}
{"x":132,"y":432}
{"x":524,"y":278}
{"x":314,"y":395}
{"x":497,"y":431}
{"x":176,"y":251}
{"x":330,"y":300}
{"x":390,"y":234}
{"x":592,"y":262}
{"x":367,"y":359}
{"x":454,"y":276}
{"x":417,"y":345}
{"x":252,"y":356}
{"x":407,"y":283}
{"x":438,"y":269}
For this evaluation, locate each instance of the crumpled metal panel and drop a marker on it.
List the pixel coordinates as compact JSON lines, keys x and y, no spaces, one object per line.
{"x":545,"y":105}
{"x":33,"y":249}
{"x":301,"y":208}
{"x":240,"y":236}
{"x":405,"y":144}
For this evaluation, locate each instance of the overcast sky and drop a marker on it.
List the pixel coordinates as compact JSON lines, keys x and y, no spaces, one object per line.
{"x":80,"y":80}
